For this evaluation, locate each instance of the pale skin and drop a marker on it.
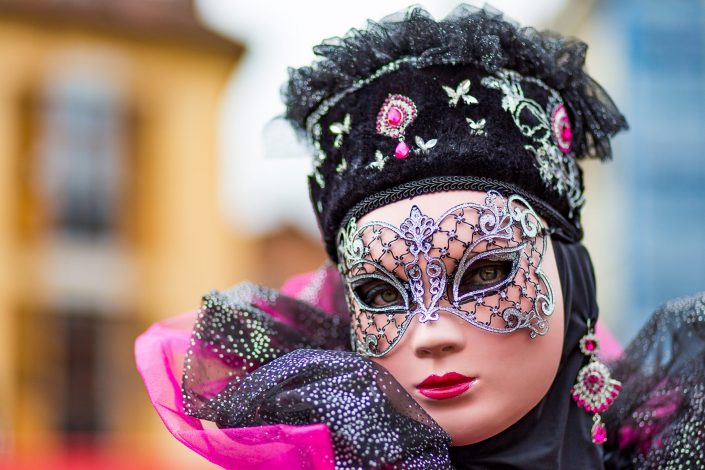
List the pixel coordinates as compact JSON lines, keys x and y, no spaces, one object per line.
{"x":512,"y":372}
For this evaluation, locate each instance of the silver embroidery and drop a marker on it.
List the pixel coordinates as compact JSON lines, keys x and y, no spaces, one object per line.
{"x":318,"y":177}
{"x":339,"y":129}
{"x":424,"y":147}
{"x":557,"y":169}
{"x":319,"y":156}
{"x":461,"y":92}
{"x":380,"y":161}
{"x":476,"y":127}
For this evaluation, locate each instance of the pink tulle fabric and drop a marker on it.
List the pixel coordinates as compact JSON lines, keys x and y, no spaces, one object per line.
{"x":160,"y":352}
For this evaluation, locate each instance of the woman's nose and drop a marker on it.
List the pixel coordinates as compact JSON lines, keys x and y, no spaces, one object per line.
{"x":437,"y":338}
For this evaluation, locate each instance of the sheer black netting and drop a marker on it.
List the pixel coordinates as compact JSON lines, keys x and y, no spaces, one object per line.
{"x":468,"y":35}
{"x":260,"y":358}
{"x":658,"y":421}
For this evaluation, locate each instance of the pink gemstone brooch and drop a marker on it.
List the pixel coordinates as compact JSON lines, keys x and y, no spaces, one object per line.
{"x":396,"y":114}
{"x":595,"y":390}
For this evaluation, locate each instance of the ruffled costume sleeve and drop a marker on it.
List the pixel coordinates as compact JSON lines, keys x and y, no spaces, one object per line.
{"x":658,"y":421}
{"x":160,"y":354}
{"x":269,"y":369}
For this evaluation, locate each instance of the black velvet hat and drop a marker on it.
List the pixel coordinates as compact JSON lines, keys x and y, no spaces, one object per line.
{"x":411,"y":105}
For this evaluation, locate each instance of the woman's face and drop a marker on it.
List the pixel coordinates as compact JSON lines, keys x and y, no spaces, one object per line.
{"x":457,"y":294}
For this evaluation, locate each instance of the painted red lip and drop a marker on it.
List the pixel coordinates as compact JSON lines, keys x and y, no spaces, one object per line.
{"x":445,"y":386}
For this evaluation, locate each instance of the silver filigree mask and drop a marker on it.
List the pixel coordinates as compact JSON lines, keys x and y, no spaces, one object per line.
{"x":480,"y":262}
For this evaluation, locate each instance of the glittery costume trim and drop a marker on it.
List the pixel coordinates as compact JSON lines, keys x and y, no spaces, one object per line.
{"x":658,"y":421}
{"x":257,"y":358}
{"x":327,"y":104}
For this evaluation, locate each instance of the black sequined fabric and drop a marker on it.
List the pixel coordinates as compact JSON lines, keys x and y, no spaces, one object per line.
{"x":259,"y":358}
{"x":658,"y":421}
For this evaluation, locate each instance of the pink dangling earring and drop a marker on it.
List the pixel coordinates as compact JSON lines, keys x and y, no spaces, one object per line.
{"x":595,"y":390}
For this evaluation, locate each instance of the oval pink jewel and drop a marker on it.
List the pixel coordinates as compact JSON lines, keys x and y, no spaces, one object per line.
{"x":402,"y":150}
{"x":566,"y":133}
{"x":590,"y":345}
{"x":394,"y":116}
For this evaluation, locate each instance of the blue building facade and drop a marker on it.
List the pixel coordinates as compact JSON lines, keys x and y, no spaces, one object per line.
{"x":661,"y":160}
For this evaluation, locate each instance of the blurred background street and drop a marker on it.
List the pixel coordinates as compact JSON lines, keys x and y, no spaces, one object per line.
{"x":140,"y":168}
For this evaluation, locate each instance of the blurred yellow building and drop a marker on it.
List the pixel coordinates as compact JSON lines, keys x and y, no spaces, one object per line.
{"x":108,"y":215}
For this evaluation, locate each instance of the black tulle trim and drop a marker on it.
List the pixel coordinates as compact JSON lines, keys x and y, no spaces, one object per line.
{"x":468,"y":35}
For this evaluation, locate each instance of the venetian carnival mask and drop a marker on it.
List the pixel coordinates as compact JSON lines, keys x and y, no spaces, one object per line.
{"x":481,"y":262}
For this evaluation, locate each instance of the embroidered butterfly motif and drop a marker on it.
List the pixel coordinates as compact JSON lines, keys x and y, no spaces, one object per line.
{"x":342,"y":166}
{"x":476,"y":127}
{"x":339,"y":129}
{"x":462,"y":91}
{"x":424,"y":147}
{"x":380,"y":161}
{"x":319,"y":178}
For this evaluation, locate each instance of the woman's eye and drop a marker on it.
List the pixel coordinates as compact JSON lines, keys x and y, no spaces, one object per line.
{"x":484,"y":274}
{"x":489,"y":273}
{"x":378,"y":294}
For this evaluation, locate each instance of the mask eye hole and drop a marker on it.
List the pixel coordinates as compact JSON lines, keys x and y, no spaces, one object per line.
{"x":487,"y":273}
{"x":484,"y":274}
{"x":376,"y":293}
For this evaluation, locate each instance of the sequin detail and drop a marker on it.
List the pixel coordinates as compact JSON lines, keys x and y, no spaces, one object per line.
{"x":658,"y":421}
{"x":246,"y":367}
{"x":312,"y":291}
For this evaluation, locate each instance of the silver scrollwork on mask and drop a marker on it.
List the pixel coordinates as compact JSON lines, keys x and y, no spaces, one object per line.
{"x":481,"y":262}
